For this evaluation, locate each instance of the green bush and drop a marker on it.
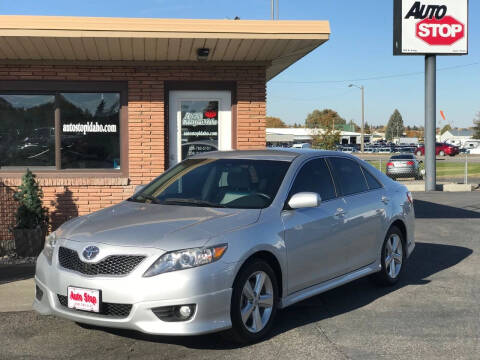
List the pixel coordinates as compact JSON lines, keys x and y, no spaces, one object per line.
{"x":30,"y":212}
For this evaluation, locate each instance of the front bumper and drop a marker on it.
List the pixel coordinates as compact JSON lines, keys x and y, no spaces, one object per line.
{"x":208,"y":287}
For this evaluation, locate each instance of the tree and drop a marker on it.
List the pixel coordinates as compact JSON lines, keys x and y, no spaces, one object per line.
{"x":30,"y":212}
{"x":326,"y":139}
{"x":476,"y":129}
{"x":395,"y":126}
{"x":274,"y":122}
{"x":445,"y":129}
{"x":322,"y":119}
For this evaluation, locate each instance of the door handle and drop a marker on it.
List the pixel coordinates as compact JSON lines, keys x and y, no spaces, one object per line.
{"x":385,"y":199}
{"x":340,"y":212}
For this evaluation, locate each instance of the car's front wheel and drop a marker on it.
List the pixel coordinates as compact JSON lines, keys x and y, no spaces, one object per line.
{"x":419,"y":153}
{"x":441,"y":153}
{"x":254,"y":302}
{"x":393,"y":256}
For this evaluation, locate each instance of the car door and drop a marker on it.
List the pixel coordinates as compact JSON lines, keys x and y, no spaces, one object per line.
{"x":365,"y":210}
{"x":313,"y":236}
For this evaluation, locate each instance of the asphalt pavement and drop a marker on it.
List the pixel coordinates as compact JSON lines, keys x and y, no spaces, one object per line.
{"x":432,"y":313}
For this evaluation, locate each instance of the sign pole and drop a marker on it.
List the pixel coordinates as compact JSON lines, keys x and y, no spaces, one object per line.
{"x":430,"y":121}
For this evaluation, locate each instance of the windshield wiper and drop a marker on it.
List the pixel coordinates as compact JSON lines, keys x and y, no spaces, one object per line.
{"x":147,"y":197}
{"x":194,"y":202}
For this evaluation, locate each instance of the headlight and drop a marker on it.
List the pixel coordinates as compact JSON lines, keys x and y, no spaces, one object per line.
{"x":50,"y":242}
{"x":185,"y":259}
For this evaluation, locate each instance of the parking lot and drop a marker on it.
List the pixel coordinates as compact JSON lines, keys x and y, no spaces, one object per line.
{"x":432,"y":313}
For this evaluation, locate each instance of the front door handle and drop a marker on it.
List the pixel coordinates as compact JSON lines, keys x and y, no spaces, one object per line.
{"x":385,"y":199}
{"x":340,"y":212}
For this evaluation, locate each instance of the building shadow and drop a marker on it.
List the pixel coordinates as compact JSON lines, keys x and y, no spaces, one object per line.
{"x":428,"y":210}
{"x":427,"y":260}
{"x":64,"y":209}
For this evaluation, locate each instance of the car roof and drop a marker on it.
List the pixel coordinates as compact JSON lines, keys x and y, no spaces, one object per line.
{"x":279,"y":154}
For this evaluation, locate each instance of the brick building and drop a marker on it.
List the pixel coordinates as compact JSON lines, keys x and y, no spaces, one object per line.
{"x":96,"y":106}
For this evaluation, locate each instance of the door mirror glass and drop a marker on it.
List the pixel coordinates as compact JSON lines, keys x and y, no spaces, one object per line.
{"x":303,"y":200}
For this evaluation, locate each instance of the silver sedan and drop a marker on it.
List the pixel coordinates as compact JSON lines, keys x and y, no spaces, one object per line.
{"x":223,"y":240}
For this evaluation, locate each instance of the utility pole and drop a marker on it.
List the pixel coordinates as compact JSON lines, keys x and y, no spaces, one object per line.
{"x":362,"y":133}
{"x":273,"y":8}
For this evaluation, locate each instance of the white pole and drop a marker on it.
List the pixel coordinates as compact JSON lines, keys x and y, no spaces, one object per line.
{"x":466,"y":169}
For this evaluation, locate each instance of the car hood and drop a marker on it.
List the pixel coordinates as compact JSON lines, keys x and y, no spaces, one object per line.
{"x":166,"y":227}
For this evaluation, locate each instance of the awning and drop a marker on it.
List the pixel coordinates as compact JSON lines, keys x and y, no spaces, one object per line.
{"x":276,"y":43}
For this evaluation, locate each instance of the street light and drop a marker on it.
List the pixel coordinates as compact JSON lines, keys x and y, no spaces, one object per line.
{"x":363,"y":115}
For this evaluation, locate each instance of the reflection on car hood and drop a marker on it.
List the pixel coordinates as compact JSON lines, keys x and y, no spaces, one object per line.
{"x":167,"y":227}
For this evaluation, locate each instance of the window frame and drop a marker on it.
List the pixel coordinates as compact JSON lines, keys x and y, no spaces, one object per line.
{"x":55,"y":87}
{"x":361,"y":170}
{"x":300,"y":167}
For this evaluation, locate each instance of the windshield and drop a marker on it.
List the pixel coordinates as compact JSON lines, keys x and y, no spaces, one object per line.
{"x":229,"y":183}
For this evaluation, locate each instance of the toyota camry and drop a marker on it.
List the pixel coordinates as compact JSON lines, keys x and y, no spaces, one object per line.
{"x":223,"y":240}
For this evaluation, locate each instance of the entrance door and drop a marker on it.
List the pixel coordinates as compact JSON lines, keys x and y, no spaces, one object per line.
{"x":199,"y":121}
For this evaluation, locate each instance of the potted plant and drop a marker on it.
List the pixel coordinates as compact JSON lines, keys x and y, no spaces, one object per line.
{"x":31,"y":217}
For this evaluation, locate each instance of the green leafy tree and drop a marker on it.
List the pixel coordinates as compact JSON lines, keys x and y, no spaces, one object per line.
{"x":476,"y":129}
{"x":367,"y":128}
{"x":445,"y":129}
{"x":326,"y":139}
{"x":395,"y":126}
{"x":322,"y":119}
{"x":30,"y":212}
{"x":274,"y":122}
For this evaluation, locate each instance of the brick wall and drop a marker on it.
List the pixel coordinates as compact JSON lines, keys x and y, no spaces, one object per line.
{"x":66,"y":197}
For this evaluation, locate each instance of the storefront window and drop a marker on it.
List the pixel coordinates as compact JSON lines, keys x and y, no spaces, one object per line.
{"x":199,"y":127}
{"x":89,"y":128}
{"x":27,"y":131}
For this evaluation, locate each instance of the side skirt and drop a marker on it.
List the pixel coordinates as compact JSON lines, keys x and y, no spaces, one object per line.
{"x":328,"y":285}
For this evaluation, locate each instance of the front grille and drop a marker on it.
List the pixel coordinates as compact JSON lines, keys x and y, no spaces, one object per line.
{"x":106,"y":309}
{"x":111,"y":265}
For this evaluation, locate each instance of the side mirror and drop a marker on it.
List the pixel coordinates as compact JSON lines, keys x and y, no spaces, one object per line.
{"x":138,"y":188}
{"x":303,"y":200}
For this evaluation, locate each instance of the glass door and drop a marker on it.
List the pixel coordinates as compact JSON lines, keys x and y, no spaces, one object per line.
{"x":200,"y":121}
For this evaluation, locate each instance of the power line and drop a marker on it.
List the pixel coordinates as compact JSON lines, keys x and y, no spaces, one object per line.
{"x":375,"y":77}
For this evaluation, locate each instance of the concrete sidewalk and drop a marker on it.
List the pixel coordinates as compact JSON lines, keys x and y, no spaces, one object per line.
{"x":17,"y":295}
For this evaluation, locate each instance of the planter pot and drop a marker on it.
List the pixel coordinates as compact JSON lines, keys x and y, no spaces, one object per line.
{"x":29,"y":242}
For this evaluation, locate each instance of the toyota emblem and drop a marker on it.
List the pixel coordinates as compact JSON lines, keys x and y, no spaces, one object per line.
{"x":90,"y":252}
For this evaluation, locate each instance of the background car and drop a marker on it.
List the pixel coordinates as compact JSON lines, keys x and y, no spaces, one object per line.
{"x":404,"y":166}
{"x":441,"y":149}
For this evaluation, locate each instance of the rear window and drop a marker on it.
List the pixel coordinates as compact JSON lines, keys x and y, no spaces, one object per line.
{"x":402,"y":157}
{"x":372,"y":182}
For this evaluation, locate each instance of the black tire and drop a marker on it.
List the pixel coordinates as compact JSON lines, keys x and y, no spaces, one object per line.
{"x":239,"y":333}
{"x":419,"y":153}
{"x":383,"y":277}
{"x":441,"y":153}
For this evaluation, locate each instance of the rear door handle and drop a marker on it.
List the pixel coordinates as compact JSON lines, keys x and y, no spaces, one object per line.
{"x":385,"y":199}
{"x":340,"y":212}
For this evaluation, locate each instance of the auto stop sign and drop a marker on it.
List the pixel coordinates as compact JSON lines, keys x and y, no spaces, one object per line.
{"x":430,"y":27}
{"x":446,"y":31}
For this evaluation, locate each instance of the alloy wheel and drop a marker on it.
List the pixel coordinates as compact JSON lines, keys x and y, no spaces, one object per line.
{"x":256,"y":301}
{"x":393,"y":256}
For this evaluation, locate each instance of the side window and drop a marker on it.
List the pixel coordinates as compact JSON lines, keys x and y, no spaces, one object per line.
{"x":348,"y":175}
{"x":371,"y":180}
{"x":315,"y":176}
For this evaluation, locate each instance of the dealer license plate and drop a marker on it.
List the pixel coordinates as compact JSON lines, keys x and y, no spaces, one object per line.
{"x":83,"y":299}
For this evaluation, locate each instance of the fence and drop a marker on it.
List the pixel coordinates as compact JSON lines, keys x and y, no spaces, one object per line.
{"x":461,"y":169}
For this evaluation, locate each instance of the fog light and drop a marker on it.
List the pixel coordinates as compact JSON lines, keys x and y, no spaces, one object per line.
{"x":38,"y":293}
{"x":185,"y":311}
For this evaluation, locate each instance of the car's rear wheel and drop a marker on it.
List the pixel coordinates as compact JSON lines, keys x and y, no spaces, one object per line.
{"x":441,"y":153}
{"x":419,"y":153}
{"x":254,"y":302}
{"x":393,"y":256}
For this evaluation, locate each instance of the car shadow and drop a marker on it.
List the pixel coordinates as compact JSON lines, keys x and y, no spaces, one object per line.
{"x":427,"y":260}
{"x":16,"y":272}
{"x":428,"y":210}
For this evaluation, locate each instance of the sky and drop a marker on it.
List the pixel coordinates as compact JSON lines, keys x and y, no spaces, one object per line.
{"x":359,"y":49}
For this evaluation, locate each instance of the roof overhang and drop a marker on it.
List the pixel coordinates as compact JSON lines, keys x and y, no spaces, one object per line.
{"x":278,"y":44}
